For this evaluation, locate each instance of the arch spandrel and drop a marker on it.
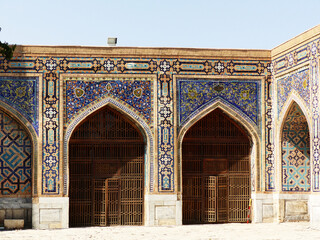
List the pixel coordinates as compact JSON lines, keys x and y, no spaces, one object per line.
{"x":296,"y":83}
{"x":196,"y":95}
{"x":293,"y":98}
{"x":134,"y":93}
{"x":227,"y":108}
{"x":132,"y":115}
{"x":21,"y":94}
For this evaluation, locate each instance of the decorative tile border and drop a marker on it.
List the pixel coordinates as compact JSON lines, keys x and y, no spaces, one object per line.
{"x":296,"y":57}
{"x":165,"y":134}
{"x":269,"y":137}
{"x":51,"y":135}
{"x":314,"y":75}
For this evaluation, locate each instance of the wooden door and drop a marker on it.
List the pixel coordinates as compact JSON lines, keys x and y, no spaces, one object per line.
{"x":106,"y":157}
{"x":215,"y":171}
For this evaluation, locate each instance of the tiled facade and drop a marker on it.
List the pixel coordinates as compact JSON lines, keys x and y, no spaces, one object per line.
{"x":50,"y":90}
{"x":295,"y":151}
{"x":15,"y":158}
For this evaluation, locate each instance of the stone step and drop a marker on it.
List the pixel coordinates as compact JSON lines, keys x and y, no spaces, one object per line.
{"x":13,"y":224}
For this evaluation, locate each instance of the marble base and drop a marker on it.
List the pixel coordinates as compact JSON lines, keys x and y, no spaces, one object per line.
{"x":50,"y":212}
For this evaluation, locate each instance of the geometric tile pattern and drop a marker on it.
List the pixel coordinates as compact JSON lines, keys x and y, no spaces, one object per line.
{"x":51,"y":134}
{"x":314,"y":70}
{"x":165,"y":132}
{"x":299,"y":82}
{"x":297,"y":56}
{"x":21,"y":93}
{"x":135,"y":93}
{"x":15,"y":158}
{"x":196,"y":94}
{"x":163,"y":68}
{"x":295,"y":152}
{"x":307,"y":53}
{"x":269,"y":120}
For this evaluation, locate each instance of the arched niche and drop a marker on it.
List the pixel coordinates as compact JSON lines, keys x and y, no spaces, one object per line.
{"x":243,"y":121}
{"x":244,"y":125}
{"x":18,"y":164}
{"x":132,"y":115}
{"x":295,"y":150}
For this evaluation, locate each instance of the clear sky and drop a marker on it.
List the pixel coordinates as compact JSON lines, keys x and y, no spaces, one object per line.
{"x":252,"y":24}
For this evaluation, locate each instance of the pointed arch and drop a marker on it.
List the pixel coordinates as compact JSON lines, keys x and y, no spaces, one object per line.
{"x":27,"y":126}
{"x":133,"y":116}
{"x":223,"y":104}
{"x":243,"y":121}
{"x":295,"y":156}
{"x":294,"y":97}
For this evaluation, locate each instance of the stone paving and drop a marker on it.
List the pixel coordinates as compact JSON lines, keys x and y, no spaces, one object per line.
{"x":265,"y":231}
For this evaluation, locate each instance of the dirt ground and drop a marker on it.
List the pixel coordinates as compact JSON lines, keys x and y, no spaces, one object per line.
{"x":268,"y":231}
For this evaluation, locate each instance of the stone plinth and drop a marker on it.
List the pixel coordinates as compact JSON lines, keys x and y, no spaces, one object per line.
{"x":163,"y":209}
{"x":10,"y":224}
{"x":50,"y":212}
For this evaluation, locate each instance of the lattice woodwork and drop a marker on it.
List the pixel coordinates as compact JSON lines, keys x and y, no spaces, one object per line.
{"x":192,"y":199}
{"x":239,"y":192}
{"x":210,"y":207}
{"x":215,"y":171}
{"x":222,"y":198}
{"x":106,"y":155}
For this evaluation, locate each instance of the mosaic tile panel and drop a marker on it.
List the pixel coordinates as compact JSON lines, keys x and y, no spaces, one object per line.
{"x":164,"y":68}
{"x":295,"y":152}
{"x":51,"y":136}
{"x":196,"y":94}
{"x":296,"y":57}
{"x":299,"y":82}
{"x":15,"y":158}
{"x":314,"y":70}
{"x":21,"y":93}
{"x":165,"y":134}
{"x":269,"y":141}
{"x":300,"y":56}
{"x":135,"y":93}
{"x":130,"y":65}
